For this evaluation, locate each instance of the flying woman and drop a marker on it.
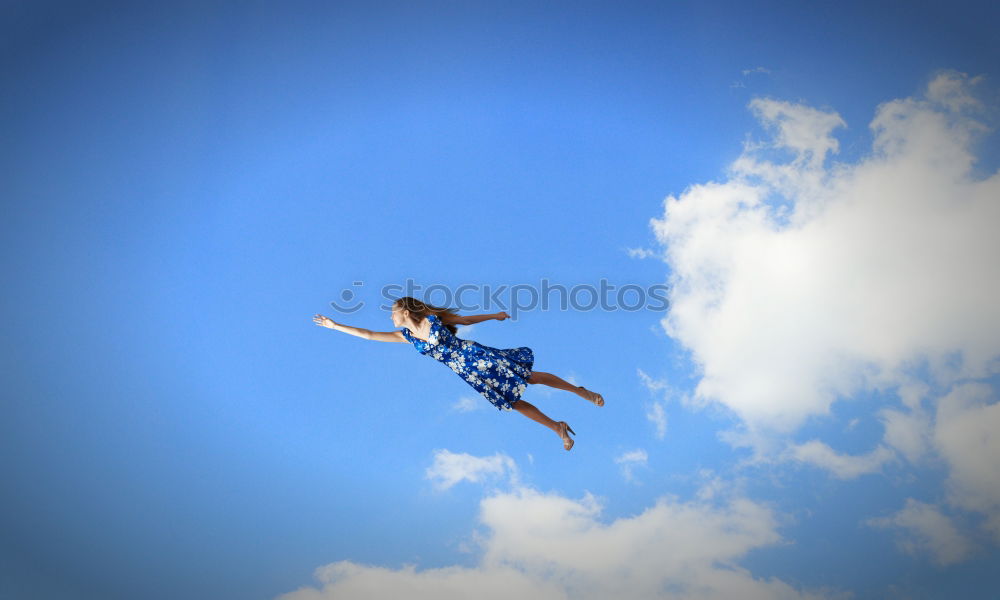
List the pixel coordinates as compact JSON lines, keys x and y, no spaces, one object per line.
{"x":500,"y":375}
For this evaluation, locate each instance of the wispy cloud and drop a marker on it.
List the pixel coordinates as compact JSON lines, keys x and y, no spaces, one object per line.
{"x":630,"y":460}
{"x":658,"y":417}
{"x":656,"y":412}
{"x":450,"y":468}
{"x":844,"y":466}
{"x":641,"y":252}
{"x":746,"y":73}
{"x":467,"y":404}
{"x":923,"y":529}
{"x":651,"y":384}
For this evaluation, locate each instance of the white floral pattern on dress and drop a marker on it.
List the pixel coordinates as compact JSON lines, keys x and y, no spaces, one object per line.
{"x":499,"y":374}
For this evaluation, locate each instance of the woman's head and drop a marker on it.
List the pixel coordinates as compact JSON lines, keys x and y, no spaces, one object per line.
{"x":408,"y":311}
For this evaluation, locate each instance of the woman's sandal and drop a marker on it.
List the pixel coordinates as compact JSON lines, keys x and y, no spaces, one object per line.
{"x":567,"y":441}
{"x":594,"y":397}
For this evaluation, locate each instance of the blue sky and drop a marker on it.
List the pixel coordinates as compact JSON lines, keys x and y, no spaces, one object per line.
{"x":187,"y":184}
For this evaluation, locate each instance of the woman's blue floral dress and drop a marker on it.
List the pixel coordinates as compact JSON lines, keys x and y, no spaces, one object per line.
{"x":498,"y":374}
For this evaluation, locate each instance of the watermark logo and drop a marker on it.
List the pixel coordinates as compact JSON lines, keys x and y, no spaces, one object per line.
{"x":516,"y":298}
{"x":349,"y":303}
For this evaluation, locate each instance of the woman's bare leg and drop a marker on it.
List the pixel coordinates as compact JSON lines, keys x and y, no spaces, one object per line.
{"x":557,"y":382}
{"x":553,"y":381}
{"x":530,"y":411}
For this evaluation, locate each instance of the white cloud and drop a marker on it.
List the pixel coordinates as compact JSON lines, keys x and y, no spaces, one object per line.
{"x":951,"y":92}
{"x":913,"y":393}
{"x":908,"y":432}
{"x":346,"y":579}
{"x":797,"y":283}
{"x":965,"y":433}
{"x":549,"y":546}
{"x":631,"y":460}
{"x":804,"y":130}
{"x":712,"y":485}
{"x":924,"y":530}
{"x":450,"y":468}
{"x":844,"y":466}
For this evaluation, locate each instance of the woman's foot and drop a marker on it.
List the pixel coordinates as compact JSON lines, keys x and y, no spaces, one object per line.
{"x":592,"y":396}
{"x":567,"y":441}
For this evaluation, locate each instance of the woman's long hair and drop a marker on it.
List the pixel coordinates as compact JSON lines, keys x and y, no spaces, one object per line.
{"x":420,"y":309}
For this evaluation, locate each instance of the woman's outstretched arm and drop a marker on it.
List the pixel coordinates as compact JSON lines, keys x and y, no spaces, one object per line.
{"x":330,"y":324}
{"x":473,"y":319}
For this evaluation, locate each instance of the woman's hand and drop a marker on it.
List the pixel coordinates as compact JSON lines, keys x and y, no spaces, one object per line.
{"x":323,"y":321}
{"x":500,"y":316}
